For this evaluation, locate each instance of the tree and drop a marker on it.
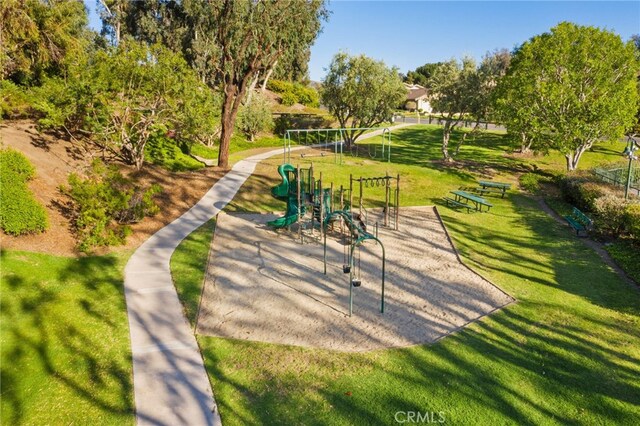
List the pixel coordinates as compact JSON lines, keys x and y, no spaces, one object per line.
{"x":492,"y":68}
{"x":234,"y":40}
{"x":120,"y":98}
{"x":635,"y":39}
{"x":37,"y":37}
{"x":512,"y":100}
{"x":422,"y":74}
{"x":453,"y":84}
{"x":572,"y":86}
{"x":255,"y":117}
{"x":361,"y":92}
{"x":149,"y":21}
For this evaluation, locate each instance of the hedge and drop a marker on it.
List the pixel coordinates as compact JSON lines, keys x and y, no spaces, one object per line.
{"x":614,"y":215}
{"x":20,"y":213}
{"x":294,"y":92}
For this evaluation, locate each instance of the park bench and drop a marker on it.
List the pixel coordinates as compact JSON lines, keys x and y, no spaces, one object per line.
{"x":451,"y":202}
{"x":490,"y":187}
{"x":465,"y":197}
{"x":579,"y":221}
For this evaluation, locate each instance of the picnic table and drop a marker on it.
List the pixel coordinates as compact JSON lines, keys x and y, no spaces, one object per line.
{"x":465,"y":197}
{"x":493,"y":187}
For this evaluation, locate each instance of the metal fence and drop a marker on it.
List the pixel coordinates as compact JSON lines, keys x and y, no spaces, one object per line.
{"x":619,"y":176}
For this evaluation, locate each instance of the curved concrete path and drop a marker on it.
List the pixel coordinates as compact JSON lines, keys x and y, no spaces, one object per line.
{"x":171,"y":386}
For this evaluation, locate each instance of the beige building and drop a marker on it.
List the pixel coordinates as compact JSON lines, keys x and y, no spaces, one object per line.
{"x":417,"y":99}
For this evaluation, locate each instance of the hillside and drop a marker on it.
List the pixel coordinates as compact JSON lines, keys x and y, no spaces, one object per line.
{"x":54,"y":158}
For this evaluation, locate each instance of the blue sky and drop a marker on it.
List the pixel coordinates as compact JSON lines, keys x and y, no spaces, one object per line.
{"x":408,"y":34}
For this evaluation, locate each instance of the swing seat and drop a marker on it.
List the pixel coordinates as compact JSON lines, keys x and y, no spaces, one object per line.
{"x":356,"y":282}
{"x":346,"y":269}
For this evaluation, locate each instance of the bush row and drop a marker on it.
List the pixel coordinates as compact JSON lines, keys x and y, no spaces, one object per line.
{"x":292,"y":93}
{"x":20,"y":213}
{"x":613,"y":214}
{"x":104,"y":203}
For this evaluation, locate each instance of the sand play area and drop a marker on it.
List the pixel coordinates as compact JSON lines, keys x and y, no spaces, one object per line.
{"x":264,"y":285}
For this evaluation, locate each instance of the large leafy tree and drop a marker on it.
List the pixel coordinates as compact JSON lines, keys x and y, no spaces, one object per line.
{"x":122,"y":97}
{"x":149,"y":21}
{"x":361,"y":92}
{"x":37,"y":37}
{"x":492,"y":68}
{"x":235,"y":40}
{"x":422,"y":74}
{"x":571,"y":87}
{"x":453,"y":85}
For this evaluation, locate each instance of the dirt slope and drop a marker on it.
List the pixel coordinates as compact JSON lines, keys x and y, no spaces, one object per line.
{"x":55,"y":158}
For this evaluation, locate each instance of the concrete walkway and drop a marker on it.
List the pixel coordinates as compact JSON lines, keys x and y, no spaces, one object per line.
{"x":170,"y":383}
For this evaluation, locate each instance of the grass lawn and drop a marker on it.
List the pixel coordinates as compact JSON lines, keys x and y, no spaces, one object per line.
{"x":567,"y":352}
{"x":187,"y":265}
{"x":64,"y":339}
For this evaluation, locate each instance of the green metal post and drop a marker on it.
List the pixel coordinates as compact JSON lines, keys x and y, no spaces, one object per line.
{"x":351,"y":268}
{"x":383,"y":272}
{"x":626,"y":189}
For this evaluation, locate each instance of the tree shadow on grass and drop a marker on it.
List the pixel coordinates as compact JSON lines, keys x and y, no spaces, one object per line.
{"x":562,"y":261}
{"x":65,"y":352}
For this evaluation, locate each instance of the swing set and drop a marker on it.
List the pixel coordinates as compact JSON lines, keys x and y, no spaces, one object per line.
{"x":336,"y":137}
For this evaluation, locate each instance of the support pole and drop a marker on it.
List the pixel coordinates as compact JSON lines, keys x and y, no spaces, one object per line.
{"x":384,"y":260}
{"x":299,"y":205}
{"x":351,"y":269}
{"x":331,"y":198}
{"x":351,"y":193}
{"x":324,"y":256}
{"x":360,"y":198}
{"x":629,"y":170}
{"x":387,"y":196}
{"x":321,"y":207}
{"x":397,"y":212}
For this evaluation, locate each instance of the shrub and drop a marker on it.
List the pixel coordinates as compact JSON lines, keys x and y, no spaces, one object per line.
{"x":306,"y":95}
{"x":530,"y":182}
{"x":255,"y":117}
{"x":632,"y":220}
{"x":20,"y":213}
{"x":16,"y":163}
{"x":14,"y":101}
{"x":104,"y":204}
{"x":582,"y":191}
{"x":610,"y":211}
{"x":300,"y":121}
{"x":294,"y":92}
{"x":289,"y":98}
{"x":278,"y":86}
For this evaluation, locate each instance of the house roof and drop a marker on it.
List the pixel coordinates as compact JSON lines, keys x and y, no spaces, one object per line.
{"x":417,"y":94}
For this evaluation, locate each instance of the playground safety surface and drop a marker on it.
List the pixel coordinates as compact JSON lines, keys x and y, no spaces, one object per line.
{"x":264,"y":285}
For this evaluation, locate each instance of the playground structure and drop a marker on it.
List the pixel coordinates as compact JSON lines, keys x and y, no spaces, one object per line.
{"x":267,"y":287}
{"x":335,"y":138}
{"x":305,"y":194}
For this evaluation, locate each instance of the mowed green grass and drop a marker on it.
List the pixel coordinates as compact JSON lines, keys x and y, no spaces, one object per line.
{"x":567,"y":352}
{"x":65,"y":350}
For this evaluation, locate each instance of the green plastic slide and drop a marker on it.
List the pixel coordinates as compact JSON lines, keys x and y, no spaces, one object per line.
{"x":282,"y":191}
{"x":291,"y":215}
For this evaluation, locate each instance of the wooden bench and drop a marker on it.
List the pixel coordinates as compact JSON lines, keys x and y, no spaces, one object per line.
{"x":452,"y":202}
{"x":579,"y":221}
